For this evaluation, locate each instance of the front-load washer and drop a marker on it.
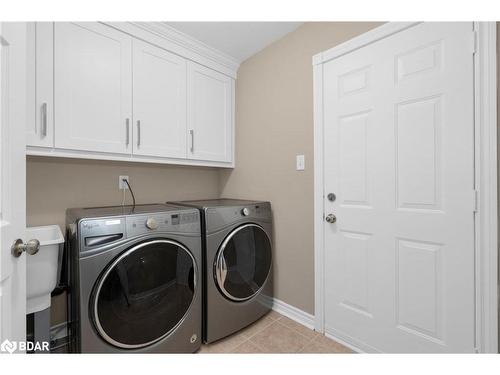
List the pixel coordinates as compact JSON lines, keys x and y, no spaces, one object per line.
{"x":134,"y":279}
{"x":237,"y":244}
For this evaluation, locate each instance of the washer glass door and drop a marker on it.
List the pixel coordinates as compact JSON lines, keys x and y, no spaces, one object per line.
{"x":144,"y":294}
{"x":243,"y":262}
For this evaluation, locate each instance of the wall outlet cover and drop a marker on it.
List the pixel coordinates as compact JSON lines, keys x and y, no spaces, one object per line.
{"x":122,"y":185}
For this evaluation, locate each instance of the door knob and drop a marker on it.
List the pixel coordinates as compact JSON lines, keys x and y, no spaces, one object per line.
{"x":31,"y":247}
{"x":331,"y":218}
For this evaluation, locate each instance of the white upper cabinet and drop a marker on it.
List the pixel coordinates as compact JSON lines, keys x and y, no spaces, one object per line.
{"x":210,"y":114}
{"x":40,"y":124}
{"x":159,"y":102}
{"x":118,"y":92}
{"x":92,"y":88}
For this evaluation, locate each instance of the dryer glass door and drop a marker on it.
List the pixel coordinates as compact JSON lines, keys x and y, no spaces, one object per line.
{"x":243,"y":262}
{"x":144,"y":294}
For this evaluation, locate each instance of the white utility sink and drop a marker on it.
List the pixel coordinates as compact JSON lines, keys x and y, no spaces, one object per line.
{"x":42,"y":267}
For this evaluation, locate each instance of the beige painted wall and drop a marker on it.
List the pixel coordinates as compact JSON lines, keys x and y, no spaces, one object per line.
{"x":274,"y":123}
{"x":54,"y":184}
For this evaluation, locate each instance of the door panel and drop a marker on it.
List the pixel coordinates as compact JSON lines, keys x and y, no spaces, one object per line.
{"x":209,"y":114}
{"x":93,"y":87}
{"x":159,"y":102}
{"x":355,"y":278}
{"x":419,"y":307}
{"x":418,"y":153}
{"x":398,"y":127}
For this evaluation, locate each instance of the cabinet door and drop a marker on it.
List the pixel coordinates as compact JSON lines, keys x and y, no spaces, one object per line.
{"x":210,"y":115}
{"x":159,"y":102}
{"x":40,"y":124}
{"x":93,"y":88}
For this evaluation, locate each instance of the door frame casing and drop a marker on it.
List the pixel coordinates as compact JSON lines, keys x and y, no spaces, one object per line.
{"x":13,"y":181}
{"x":483,"y":42}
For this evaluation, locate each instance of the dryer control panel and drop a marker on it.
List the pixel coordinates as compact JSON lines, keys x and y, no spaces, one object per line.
{"x":217,"y":218}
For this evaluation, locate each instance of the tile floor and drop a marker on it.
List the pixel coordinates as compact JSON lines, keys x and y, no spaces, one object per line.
{"x":275,"y":333}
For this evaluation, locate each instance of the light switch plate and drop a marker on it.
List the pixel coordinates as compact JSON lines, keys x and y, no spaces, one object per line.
{"x":121,"y":184}
{"x":301,"y":162}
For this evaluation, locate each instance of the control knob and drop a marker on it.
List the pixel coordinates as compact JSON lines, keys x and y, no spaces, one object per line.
{"x":245,"y":211}
{"x":151,"y":223}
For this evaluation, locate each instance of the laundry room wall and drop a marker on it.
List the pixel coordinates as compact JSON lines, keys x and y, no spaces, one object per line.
{"x":55,"y":184}
{"x":274,"y":123}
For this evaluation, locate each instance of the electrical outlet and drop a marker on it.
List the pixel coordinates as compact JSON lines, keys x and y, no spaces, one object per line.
{"x":122,"y":185}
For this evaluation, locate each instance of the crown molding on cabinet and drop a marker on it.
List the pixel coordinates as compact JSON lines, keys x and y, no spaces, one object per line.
{"x":167,"y":37}
{"x":189,"y":42}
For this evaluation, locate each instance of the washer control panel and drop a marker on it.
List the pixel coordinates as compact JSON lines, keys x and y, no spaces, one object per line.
{"x":151,"y":223}
{"x":185,"y":222}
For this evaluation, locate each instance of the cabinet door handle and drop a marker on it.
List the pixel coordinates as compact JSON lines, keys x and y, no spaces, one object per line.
{"x":138,"y":133}
{"x":127,"y":132}
{"x":44,"y":119}
{"x":191,"y":133}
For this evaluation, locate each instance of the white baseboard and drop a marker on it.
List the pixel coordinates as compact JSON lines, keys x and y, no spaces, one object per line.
{"x":349,"y":342}
{"x":291,"y":312}
{"x":307,"y":320}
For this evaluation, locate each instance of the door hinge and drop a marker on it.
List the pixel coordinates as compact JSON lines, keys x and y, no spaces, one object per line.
{"x":474,"y":42}
{"x":476,"y":200}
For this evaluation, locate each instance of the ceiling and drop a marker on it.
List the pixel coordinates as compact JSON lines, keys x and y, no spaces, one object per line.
{"x":239,"y":40}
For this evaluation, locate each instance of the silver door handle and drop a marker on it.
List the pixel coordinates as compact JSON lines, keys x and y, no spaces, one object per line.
{"x":191,"y":133}
{"x":31,"y":247}
{"x":127,"y":130}
{"x":138,"y":133}
{"x":44,"y":119}
{"x":331,"y":218}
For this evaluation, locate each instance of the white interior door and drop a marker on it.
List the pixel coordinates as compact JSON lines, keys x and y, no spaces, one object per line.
{"x":209,"y":114}
{"x":399,"y":156}
{"x":159,"y":102}
{"x":12,"y":182}
{"x":93,"y":87}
